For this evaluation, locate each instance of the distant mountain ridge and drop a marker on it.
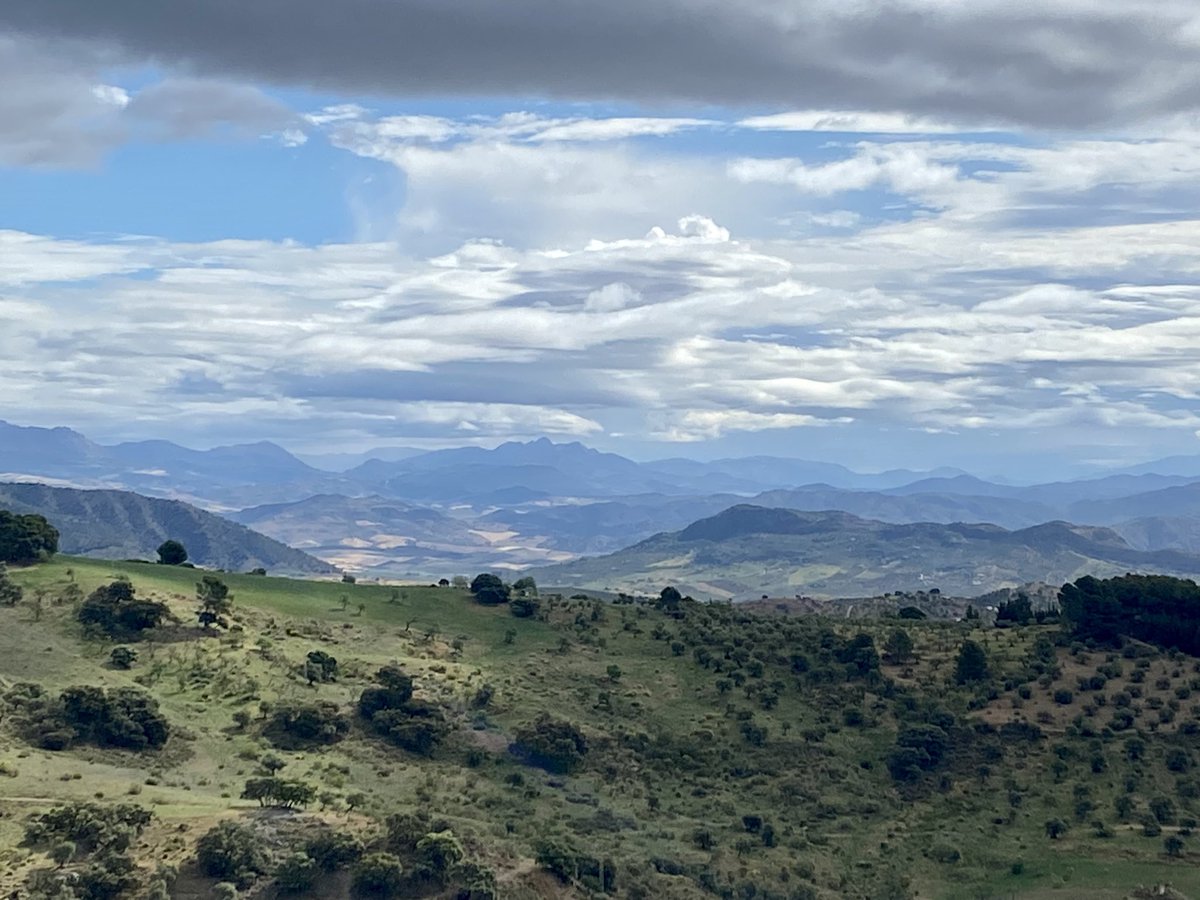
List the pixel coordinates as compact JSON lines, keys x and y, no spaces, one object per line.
{"x":750,"y":550}
{"x":124,"y":525}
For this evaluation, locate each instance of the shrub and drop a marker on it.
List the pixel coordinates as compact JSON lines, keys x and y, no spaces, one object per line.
{"x":489,"y":589}
{"x":295,"y":725}
{"x":232,"y":852}
{"x":116,"y":611}
{"x":122,"y":657}
{"x":333,"y":850}
{"x":378,"y":874}
{"x":553,"y":744}
{"x":295,"y":874}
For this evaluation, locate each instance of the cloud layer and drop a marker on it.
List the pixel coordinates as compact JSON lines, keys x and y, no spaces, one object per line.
{"x":1070,"y":64}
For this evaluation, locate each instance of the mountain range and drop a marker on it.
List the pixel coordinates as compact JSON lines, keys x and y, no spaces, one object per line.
{"x":749,"y":551}
{"x":406,"y":512}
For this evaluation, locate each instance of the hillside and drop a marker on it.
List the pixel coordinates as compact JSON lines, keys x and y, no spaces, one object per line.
{"x":382,"y":536}
{"x":123,"y":525}
{"x":719,"y":753}
{"x":747,"y":551}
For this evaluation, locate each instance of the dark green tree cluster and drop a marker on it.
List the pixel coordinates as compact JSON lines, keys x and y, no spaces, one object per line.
{"x":115,"y":610}
{"x":25,"y":539}
{"x":294,"y":726}
{"x":552,"y":744}
{"x":1154,"y":608}
{"x":122,"y":717}
{"x":281,"y":792}
{"x":490,"y":590}
{"x":395,"y":714}
{"x":320,"y":666}
{"x":231,"y":851}
{"x":569,"y":864}
{"x":89,"y":826}
{"x":172,"y":553}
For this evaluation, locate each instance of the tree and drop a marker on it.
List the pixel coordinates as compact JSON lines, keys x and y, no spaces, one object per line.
{"x":910,"y":612}
{"x":669,"y":598}
{"x":971,"y":665}
{"x":296,"y":873}
{"x":553,"y":744}
{"x":1055,"y":828}
{"x":489,"y":590}
{"x":525,"y":587}
{"x":24,"y":539}
{"x":231,"y":851}
{"x":122,"y":657}
{"x":62,"y":853}
{"x":524,"y":607}
{"x":378,"y":874}
{"x":10,"y":591}
{"x":115,"y":610}
{"x":172,"y":553}
{"x":320,"y":666}
{"x":439,"y":852}
{"x":216,"y":602}
{"x":1173,"y":846}
{"x":899,"y":647}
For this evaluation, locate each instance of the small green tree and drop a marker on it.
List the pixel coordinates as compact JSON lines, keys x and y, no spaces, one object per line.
{"x":62,"y":853}
{"x":898,"y":648}
{"x":971,"y":665}
{"x":525,"y":587}
{"x":1173,"y":846}
{"x":10,"y":591}
{"x":172,"y":553}
{"x":1055,"y":828}
{"x":380,"y":874}
{"x":296,"y":873}
{"x":122,"y":657}
{"x":216,"y":602}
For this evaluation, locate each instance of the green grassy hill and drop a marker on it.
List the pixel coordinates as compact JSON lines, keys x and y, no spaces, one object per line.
{"x":746,"y":551}
{"x":727,"y":754}
{"x":124,"y":525}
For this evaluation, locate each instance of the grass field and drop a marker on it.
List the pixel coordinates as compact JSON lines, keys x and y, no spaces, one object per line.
{"x":669,"y":755}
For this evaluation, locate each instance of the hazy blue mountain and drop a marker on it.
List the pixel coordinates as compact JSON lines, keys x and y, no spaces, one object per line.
{"x":124,"y":525}
{"x":220,"y":477}
{"x":341,"y":462}
{"x":1180,"y":501}
{"x":747,"y":551}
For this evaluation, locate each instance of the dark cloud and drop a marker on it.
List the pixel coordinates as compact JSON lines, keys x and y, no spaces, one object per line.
{"x":1074,"y":64}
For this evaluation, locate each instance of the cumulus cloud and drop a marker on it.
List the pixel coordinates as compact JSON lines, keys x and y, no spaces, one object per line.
{"x":1081,"y":63}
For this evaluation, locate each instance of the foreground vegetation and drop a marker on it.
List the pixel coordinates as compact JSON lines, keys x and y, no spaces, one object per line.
{"x":263,"y":736}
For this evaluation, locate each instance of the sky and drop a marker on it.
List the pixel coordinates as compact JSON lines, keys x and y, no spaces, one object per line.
{"x":889,"y":233}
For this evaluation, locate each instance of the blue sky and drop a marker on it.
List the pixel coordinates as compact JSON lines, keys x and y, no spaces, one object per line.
{"x":780,"y":227}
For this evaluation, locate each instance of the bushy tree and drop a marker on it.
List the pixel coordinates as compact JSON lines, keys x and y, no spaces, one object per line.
{"x":898,"y":648}
{"x":296,"y":725}
{"x":172,"y":553}
{"x":25,"y":539}
{"x":281,"y":792}
{"x":122,"y":657}
{"x":320,"y":666}
{"x":378,"y":875}
{"x":116,"y":610}
{"x":524,"y":607}
{"x":296,"y":873}
{"x":553,"y":744}
{"x":489,"y":589}
{"x":393,"y":713}
{"x":216,"y":602}
{"x":525,"y":587}
{"x":232,"y":852}
{"x":971,"y":665}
